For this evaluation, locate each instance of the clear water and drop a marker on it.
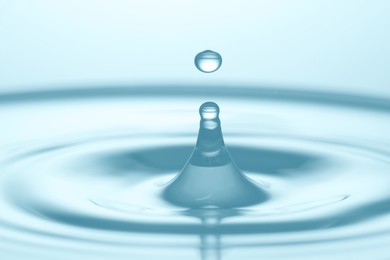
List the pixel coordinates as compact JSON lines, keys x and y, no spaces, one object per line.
{"x":208,"y":61}
{"x":211,"y":178}
{"x":85,"y":174}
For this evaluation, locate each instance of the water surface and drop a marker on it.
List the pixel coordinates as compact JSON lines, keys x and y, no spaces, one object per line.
{"x":83,"y":173}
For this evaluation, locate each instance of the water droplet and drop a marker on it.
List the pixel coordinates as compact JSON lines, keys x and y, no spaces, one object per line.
{"x":211,"y":177}
{"x":208,"y":61}
{"x":209,"y":110}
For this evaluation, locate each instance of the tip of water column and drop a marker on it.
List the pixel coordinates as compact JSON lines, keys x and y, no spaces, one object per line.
{"x":209,"y":111}
{"x":210,"y":177}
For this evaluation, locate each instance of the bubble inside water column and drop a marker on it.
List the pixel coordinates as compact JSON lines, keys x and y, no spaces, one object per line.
{"x":208,"y":61}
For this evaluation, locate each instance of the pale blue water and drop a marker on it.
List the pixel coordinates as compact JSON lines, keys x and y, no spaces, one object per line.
{"x":77,"y":185}
{"x":101,"y":156}
{"x":211,"y":178}
{"x":208,"y":61}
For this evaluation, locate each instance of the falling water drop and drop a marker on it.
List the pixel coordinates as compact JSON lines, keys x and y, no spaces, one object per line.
{"x":210,"y":177}
{"x":208,"y":61}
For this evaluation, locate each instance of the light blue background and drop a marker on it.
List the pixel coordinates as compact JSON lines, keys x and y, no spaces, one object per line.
{"x":335,"y":45}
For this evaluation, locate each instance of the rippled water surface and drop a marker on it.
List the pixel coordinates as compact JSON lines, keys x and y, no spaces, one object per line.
{"x":83,"y":173}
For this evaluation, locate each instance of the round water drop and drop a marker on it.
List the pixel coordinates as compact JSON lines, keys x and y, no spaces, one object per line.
{"x":209,"y":111}
{"x":208,"y":61}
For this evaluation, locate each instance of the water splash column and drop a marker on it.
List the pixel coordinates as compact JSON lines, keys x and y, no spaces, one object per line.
{"x":211,"y":177}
